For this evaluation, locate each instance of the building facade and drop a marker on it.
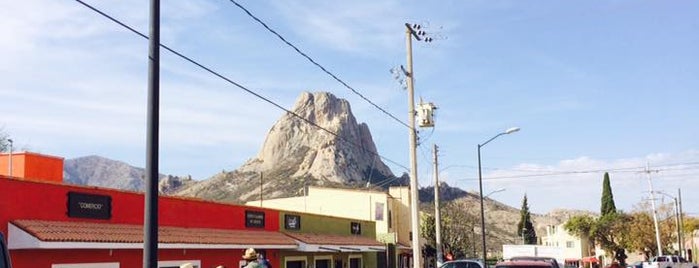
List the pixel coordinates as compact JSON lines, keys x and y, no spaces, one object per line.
{"x":48,"y":224}
{"x":389,"y":210}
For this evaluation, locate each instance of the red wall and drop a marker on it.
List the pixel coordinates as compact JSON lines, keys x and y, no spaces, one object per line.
{"x":23,"y":199}
{"x":128,"y":258}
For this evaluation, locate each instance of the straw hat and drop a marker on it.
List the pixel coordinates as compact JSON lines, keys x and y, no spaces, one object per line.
{"x":187,"y":265}
{"x":250,"y":254}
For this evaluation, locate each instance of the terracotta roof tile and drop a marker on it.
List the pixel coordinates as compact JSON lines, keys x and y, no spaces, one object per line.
{"x":342,"y":240}
{"x":64,"y":231}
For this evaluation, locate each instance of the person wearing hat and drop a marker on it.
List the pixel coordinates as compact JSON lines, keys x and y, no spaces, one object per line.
{"x":251,"y":257}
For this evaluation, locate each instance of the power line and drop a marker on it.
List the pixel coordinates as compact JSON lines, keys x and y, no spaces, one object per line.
{"x":617,"y":170}
{"x":235,"y":83}
{"x":315,"y":62}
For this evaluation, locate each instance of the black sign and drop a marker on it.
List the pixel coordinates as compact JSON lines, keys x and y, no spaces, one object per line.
{"x":292,"y":222}
{"x":254,"y":219}
{"x":355,"y":228}
{"x":92,"y":206}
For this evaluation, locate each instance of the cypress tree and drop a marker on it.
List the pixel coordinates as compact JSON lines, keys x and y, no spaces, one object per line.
{"x":608,"y":206}
{"x":525,"y":227}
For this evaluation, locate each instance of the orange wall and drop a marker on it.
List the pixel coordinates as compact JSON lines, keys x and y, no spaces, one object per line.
{"x":33,"y":166}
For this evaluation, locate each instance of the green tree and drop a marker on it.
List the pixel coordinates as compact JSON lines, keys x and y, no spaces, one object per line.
{"x":609,"y":231}
{"x":4,"y":143}
{"x":525,"y":228}
{"x":608,"y":206}
{"x":457,"y":230}
{"x":690,"y":224}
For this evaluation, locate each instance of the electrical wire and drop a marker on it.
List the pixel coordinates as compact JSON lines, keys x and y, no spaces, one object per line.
{"x":235,"y":83}
{"x":325,"y":70}
{"x":618,"y":170}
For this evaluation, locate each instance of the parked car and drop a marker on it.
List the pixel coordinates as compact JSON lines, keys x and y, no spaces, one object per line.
{"x":462,"y":264}
{"x":669,"y":261}
{"x":4,"y":254}
{"x":524,"y":264}
{"x":637,"y":264}
{"x":552,"y":261}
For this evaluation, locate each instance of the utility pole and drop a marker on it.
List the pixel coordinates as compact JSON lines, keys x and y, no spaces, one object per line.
{"x":150,"y":221}
{"x":655,"y":214}
{"x":677,"y":222}
{"x":410,"y":32}
{"x":413,"y":150}
{"x":681,"y":231}
{"x":437,"y":220}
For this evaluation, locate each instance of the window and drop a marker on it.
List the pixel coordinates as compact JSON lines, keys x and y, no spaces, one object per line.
{"x":295,"y":262}
{"x":324,"y":261}
{"x":390,"y":221}
{"x":176,"y":264}
{"x":87,"y":265}
{"x":570,"y":244}
{"x":355,"y":261}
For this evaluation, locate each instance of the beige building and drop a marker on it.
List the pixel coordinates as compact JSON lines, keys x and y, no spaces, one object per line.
{"x":390,"y":210}
{"x":574,"y":249}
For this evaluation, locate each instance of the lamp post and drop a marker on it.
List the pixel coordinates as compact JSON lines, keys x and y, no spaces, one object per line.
{"x":9,"y":159}
{"x":496,"y":191}
{"x":677,"y":219}
{"x":480,"y":186}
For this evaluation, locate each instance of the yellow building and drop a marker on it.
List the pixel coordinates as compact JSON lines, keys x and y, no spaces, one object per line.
{"x":574,"y":249}
{"x":390,"y":210}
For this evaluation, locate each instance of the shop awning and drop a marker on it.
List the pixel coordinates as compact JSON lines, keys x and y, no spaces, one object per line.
{"x":591,"y":259}
{"x":33,"y":234}
{"x":335,"y":243}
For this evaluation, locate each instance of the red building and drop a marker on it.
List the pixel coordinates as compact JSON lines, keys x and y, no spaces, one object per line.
{"x":53,"y":225}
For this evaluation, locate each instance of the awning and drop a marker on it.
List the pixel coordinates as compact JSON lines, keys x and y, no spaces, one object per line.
{"x":335,"y":243}
{"x":592,"y":259}
{"x":33,"y":234}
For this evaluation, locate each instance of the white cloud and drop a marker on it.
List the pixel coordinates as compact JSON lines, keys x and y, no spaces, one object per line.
{"x":346,"y":27}
{"x":577,"y":183}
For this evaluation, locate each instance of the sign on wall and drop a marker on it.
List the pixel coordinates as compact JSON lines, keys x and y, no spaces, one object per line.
{"x":292,"y":222}
{"x":378,"y":211}
{"x":255,"y":219}
{"x":91,"y":206}
{"x":355,"y":228}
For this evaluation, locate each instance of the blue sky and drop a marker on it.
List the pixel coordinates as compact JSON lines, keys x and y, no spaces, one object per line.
{"x":595,"y":86}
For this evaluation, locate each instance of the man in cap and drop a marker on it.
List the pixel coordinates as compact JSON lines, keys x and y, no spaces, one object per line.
{"x":251,"y":257}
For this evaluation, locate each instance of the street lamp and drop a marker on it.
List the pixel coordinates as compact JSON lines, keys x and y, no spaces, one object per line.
{"x":496,"y":191}
{"x":480,"y":186}
{"x":677,"y":218}
{"x":9,"y":159}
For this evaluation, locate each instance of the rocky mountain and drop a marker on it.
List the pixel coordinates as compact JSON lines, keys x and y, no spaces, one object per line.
{"x":321,"y":143}
{"x":326,"y":146}
{"x":99,"y":171}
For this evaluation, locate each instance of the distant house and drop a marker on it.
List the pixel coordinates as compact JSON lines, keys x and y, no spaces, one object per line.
{"x":576,"y":251}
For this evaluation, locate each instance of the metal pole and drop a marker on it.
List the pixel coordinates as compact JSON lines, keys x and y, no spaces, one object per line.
{"x":655,"y":214}
{"x":681,"y":234}
{"x":437,"y":216}
{"x":413,"y":153}
{"x":480,"y":187}
{"x":677,"y":222}
{"x":150,"y":224}
{"x":9,"y":159}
